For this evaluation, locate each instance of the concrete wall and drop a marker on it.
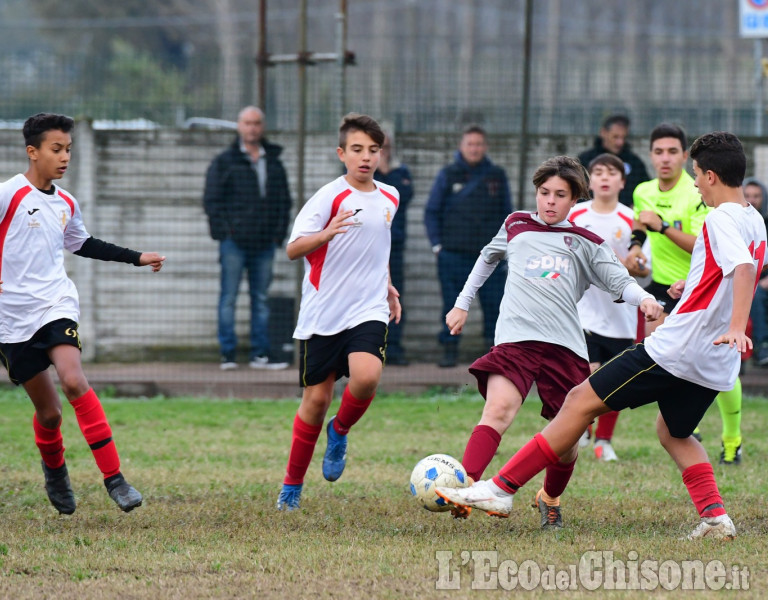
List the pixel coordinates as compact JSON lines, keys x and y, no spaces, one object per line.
{"x":142,"y":189}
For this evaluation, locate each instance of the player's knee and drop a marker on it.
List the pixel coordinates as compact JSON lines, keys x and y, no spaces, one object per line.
{"x":73,"y":385}
{"x":49,"y":417}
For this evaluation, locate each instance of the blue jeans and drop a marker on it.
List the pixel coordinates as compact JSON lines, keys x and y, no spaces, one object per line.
{"x":234,"y":260}
{"x":758,"y":315}
{"x":453,"y":268}
{"x":397,"y":273}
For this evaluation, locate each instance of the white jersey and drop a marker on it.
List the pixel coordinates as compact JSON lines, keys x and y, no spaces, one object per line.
{"x":598,"y":312}
{"x":345,"y":280}
{"x":35,"y":228}
{"x":732,"y":235}
{"x":550,"y":267}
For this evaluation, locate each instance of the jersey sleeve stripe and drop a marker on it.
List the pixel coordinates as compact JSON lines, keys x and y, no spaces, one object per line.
{"x":391,"y":197}
{"x":70,"y":202}
{"x":6,"y":223}
{"x":316,"y":258}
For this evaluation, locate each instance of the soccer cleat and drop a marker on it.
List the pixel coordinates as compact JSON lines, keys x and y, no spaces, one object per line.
{"x":335,"y":458}
{"x":550,"y":515}
{"x":460,"y":512}
{"x":59,"y":489}
{"x":289,"y":497}
{"x":481,"y":495}
{"x":584,"y":440}
{"x":123,"y":493}
{"x":717,"y":528}
{"x":730,"y":455}
{"x":264,"y":363}
{"x":604,"y":451}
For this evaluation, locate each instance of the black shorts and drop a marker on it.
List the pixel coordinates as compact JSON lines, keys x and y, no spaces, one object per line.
{"x":24,"y":360}
{"x":633,"y":379}
{"x":602,"y":349}
{"x":659,"y":291}
{"x":322,"y":355}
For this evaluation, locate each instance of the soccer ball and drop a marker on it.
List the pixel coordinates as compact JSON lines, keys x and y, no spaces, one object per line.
{"x":436,"y":470}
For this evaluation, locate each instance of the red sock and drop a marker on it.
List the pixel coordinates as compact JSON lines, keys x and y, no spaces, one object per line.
{"x":557,"y":477}
{"x":700,"y":481}
{"x":50,"y":443}
{"x":606,"y":424}
{"x":302,"y":447}
{"x":481,"y":447}
{"x":350,"y":411}
{"x":93,"y":423}
{"x":527,"y":462}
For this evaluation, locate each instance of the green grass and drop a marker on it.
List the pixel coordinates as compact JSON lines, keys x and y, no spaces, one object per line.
{"x":210,"y":471}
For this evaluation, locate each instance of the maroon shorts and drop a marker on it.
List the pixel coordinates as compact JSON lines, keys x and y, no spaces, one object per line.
{"x":553,"y":368}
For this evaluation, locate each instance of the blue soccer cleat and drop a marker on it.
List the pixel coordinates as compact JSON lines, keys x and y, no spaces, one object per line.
{"x":289,"y":497}
{"x":335,"y":458}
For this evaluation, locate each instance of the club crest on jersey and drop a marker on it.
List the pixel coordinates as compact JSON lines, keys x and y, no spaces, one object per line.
{"x":571,"y":242}
{"x":546,"y":267}
{"x":63,"y":220}
{"x":387,"y":217}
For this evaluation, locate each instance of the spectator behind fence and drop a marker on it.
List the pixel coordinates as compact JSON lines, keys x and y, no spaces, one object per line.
{"x":469,"y":198}
{"x":613,"y":139}
{"x":247,"y":201}
{"x":756,"y":194}
{"x":396,"y":174}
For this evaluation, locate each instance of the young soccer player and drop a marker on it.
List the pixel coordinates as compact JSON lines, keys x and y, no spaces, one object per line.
{"x":682,"y":365}
{"x":39,"y":307}
{"x":343,"y":233}
{"x":538,"y":335}
{"x":608,"y":327}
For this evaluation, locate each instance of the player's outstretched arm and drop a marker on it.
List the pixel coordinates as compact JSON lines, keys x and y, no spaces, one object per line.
{"x":456,"y":319}
{"x":152,"y":259}
{"x":744,"y":276}
{"x":302,"y":246}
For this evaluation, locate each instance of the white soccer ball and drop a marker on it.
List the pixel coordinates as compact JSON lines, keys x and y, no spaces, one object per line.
{"x":436,"y":470}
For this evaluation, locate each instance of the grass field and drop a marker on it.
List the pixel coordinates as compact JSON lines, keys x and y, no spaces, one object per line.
{"x":210,"y":471}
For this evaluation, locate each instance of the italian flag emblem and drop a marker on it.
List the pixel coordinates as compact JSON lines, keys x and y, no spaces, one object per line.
{"x":550,"y":275}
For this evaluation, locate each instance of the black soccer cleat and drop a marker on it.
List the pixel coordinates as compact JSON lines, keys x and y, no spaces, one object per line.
{"x":59,"y":489}
{"x":123,"y":493}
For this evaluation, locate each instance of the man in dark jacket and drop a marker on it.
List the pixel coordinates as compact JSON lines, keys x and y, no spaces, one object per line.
{"x":613,"y":139}
{"x":247,"y":201}
{"x":466,"y":208}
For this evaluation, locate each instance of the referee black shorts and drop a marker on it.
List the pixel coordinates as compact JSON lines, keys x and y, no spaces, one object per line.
{"x":601,"y":348}
{"x":321,"y":355}
{"x":24,"y":360}
{"x":659,"y":291}
{"x":633,"y":379}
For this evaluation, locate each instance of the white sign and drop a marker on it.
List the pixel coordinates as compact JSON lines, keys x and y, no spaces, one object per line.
{"x":753,"y":18}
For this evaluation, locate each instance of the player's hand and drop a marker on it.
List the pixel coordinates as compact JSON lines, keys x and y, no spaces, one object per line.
{"x":456,"y":319}
{"x":735,"y":339}
{"x":339,"y":224}
{"x":676,"y":289}
{"x":153,"y":259}
{"x":650,"y":219}
{"x":636,"y":263}
{"x":651,"y":309}
{"x":393,"y":299}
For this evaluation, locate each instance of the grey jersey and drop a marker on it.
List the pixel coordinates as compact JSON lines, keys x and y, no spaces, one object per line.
{"x":550,"y":267}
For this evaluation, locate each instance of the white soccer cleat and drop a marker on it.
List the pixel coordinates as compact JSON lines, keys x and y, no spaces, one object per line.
{"x":482,"y":495}
{"x":604,"y":451}
{"x":716,"y":528}
{"x":584,"y":439}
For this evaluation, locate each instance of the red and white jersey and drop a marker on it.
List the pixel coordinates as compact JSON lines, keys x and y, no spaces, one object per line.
{"x":35,"y":228}
{"x":345,"y":280}
{"x":732,"y":235}
{"x":598,"y":312}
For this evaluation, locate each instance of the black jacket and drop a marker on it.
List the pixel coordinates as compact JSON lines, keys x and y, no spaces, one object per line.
{"x":234,"y":204}
{"x":633,"y":166}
